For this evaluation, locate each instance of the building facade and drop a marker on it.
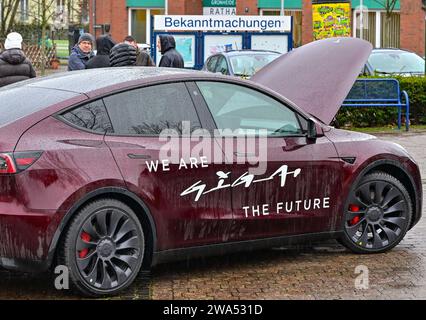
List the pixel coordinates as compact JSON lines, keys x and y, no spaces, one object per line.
{"x":60,"y":13}
{"x":404,"y":27}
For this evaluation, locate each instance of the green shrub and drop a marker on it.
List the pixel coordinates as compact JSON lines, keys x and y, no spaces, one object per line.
{"x":416,"y":89}
{"x":377,"y":116}
{"x":367,"y":117}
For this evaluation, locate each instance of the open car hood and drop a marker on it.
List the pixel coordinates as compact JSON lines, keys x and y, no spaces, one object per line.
{"x":318,"y":76}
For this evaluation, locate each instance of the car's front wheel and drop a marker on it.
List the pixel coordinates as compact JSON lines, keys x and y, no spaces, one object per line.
{"x":103,"y":248}
{"x":377,"y":215}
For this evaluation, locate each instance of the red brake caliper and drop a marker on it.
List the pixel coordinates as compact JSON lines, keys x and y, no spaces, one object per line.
{"x":86,"y":238}
{"x":355,"y":220}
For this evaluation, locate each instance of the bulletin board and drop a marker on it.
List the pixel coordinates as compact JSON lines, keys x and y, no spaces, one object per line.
{"x":216,"y":43}
{"x":197,"y":46}
{"x":273,"y":42}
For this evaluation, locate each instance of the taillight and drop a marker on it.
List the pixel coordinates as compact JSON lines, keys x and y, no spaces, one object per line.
{"x":17,"y":161}
{"x":24,"y":159}
{"x":7,"y":165}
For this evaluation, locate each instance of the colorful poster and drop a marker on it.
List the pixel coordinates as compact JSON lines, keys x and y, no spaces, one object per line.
{"x":186,"y":47}
{"x":331,"y":20}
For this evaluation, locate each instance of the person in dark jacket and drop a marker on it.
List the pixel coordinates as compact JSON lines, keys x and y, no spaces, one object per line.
{"x":81,"y":53}
{"x":143,"y":58}
{"x":122,"y":55}
{"x":14,"y":66}
{"x":170,"y":56}
{"x":104,"y":45}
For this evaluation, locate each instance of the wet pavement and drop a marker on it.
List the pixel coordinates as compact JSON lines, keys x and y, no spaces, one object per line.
{"x":321,"y":271}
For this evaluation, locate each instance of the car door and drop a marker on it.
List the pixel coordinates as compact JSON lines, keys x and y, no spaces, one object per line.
{"x":152,"y":146}
{"x":294,"y":189}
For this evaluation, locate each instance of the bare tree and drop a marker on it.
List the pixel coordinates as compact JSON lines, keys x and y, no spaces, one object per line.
{"x":8,"y":10}
{"x":389,"y":6}
{"x":78,"y":11}
{"x":43,"y":12}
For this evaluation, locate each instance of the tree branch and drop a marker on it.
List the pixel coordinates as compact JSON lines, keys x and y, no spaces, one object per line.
{"x":13,"y":14}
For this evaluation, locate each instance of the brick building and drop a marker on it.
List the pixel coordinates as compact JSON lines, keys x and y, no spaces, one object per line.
{"x":405,"y":26}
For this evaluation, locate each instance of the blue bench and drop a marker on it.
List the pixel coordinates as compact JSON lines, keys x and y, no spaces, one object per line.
{"x":368,"y":93}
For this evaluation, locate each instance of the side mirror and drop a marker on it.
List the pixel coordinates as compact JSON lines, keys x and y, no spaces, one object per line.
{"x":314,"y":130}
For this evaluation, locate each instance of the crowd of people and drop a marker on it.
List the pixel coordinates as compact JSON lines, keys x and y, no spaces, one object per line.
{"x":126,"y":53}
{"x":15,"y":66}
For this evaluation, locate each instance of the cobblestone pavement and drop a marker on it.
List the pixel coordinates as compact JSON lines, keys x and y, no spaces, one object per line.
{"x":321,"y":271}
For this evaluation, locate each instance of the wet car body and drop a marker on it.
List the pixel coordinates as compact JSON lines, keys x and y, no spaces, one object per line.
{"x":63,"y":170}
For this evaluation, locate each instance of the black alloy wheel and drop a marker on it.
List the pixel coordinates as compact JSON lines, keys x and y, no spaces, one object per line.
{"x":378,"y":214}
{"x":104,"y":247}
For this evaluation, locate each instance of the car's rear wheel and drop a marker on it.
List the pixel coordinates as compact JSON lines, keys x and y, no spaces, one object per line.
{"x":103,"y":248}
{"x":377,"y":215}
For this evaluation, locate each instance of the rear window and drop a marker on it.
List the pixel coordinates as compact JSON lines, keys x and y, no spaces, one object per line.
{"x":248,"y":65}
{"x":19,"y":102}
{"x":90,"y":116}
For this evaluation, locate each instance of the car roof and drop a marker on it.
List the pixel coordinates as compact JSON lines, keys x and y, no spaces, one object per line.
{"x":86,"y":81}
{"x":389,"y":50}
{"x":245,"y":52}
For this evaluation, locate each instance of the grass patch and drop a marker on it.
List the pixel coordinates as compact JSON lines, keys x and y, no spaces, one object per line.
{"x":389,"y":129}
{"x":62,"y":48}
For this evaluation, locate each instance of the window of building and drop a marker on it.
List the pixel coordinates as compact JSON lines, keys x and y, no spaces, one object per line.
{"x":24,"y":8}
{"x":377,"y":29}
{"x":390,"y":30}
{"x":140,"y":23}
{"x":297,"y":23}
{"x":84,"y":11}
{"x":60,"y":14}
{"x":369,"y":27}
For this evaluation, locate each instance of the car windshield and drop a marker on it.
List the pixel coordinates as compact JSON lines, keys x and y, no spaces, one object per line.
{"x":397,"y":62}
{"x":248,"y":64}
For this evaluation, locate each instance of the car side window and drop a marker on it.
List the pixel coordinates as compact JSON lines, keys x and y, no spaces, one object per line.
{"x":211,"y":64}
{"x":91,"y":116}
{"x":222,"y":66}
{"x":245,"y":110}
{"x":150,"y":110}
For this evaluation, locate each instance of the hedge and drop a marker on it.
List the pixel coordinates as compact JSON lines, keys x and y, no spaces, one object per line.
{"x":370,"y":117}
{"x":416,"y":88}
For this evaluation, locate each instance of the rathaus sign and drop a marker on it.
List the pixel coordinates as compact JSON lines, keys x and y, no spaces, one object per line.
{"x":219,"y":7}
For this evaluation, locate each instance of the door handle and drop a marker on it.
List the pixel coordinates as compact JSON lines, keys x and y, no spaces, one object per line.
{"x":138,"y":156}
{"x":244,"y":154}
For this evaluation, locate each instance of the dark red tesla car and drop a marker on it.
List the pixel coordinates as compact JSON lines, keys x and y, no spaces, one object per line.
{"x":85,"y":183}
